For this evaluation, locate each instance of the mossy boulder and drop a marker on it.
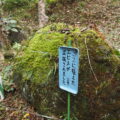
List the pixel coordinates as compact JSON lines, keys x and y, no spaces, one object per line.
{"x":36,"y":74}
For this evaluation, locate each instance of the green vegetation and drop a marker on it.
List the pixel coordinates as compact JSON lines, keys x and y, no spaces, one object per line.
{"x":8,"y":83}
{"x":42,"y":51}
{"x":36,"y":73}
{"x":20,"y":9}
{"x":43,"y":47}
{"x":9,"y":24}
{"x":51,"y":1}
{"x":13,"y":4}
{"x":87,"y":23}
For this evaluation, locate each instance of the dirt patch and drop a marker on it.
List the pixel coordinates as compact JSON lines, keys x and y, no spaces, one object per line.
{"x":104,"y":14}
{"x":14,"y":107}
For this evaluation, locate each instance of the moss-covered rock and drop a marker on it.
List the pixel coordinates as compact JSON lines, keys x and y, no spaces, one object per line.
{"x":36,"y":73}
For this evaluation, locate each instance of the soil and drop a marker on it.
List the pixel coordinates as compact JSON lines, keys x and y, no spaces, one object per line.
{"x":101,"y":15}
{"x":15,"y":108}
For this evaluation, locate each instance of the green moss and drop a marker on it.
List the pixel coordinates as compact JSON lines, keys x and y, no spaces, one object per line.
{"x":39,"y":74}
{"x":40,"y":58}
{"x":51,"y":1}
{"x":37,"y":59}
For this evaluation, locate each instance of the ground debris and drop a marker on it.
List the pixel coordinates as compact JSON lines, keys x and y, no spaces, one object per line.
{"x":14,"y":107}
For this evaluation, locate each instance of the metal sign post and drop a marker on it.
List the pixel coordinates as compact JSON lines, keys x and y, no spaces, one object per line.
{"x":69,"y":45}
{"x":68,"y":71}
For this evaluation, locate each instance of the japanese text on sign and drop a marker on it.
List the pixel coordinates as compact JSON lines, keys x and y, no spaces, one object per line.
{"x":68,"y":69}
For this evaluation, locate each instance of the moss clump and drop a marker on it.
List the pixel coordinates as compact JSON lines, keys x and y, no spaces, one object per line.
{"x":36,"y":73}
{"x":39,"y":59}
{"x":40,"y":56}
{"x":51,"y":1}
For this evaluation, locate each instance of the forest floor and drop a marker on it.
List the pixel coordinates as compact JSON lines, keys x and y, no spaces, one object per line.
{"x":14,"y":107}
{"x":104,"y":14}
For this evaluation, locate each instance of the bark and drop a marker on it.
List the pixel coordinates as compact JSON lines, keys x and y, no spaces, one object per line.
{"x":42,"y":17}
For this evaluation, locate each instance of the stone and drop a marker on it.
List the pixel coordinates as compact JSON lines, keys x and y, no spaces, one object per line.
{"x":36,"y":74}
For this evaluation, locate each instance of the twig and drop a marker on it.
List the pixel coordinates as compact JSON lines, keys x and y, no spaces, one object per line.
{"x":88,"y":56}
{"x":36,"y":114}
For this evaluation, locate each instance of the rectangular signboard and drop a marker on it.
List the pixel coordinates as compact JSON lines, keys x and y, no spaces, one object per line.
{"x":68,"y":69}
